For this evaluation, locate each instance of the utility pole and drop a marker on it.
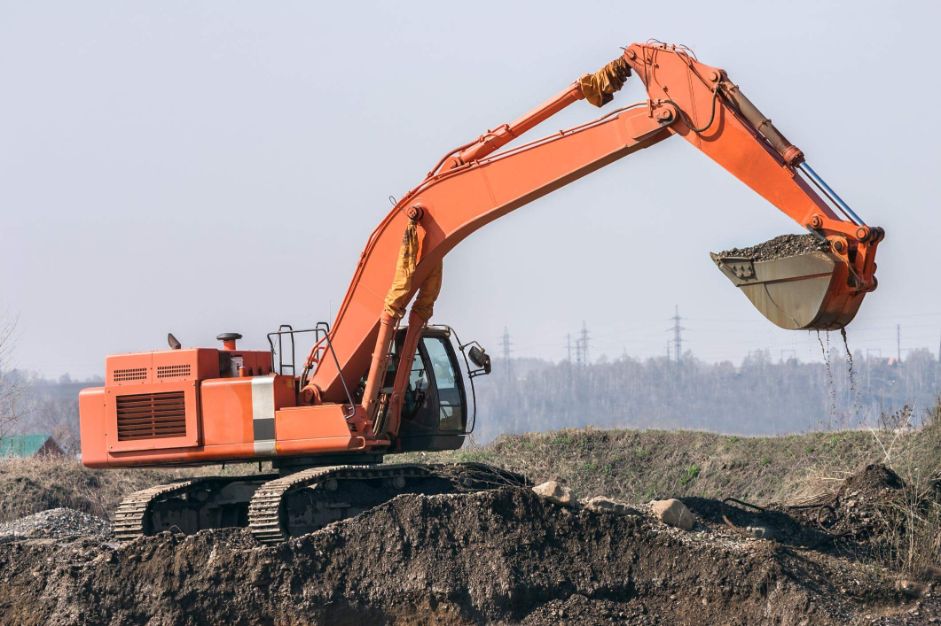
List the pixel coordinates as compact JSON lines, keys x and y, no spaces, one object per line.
{"x":568,"y":346}
{"x":584,"y":341}
{"x":898,"y":342}
{"x":506,"y":351}
{"x":677,"y":334}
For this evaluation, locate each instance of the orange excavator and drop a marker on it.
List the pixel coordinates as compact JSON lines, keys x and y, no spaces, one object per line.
{"x":372,"y":386}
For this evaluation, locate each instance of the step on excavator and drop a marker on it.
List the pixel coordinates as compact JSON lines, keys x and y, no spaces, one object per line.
{"x":372,"y":386}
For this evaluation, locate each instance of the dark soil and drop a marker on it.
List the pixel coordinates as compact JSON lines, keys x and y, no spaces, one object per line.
{"x":779,"y":248}
{"x":504,"y":556}
{"x":874,"y":479}
{"x":501,"y":557}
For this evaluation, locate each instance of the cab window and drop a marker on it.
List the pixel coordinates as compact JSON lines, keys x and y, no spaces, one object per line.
{"x":450,"y":393}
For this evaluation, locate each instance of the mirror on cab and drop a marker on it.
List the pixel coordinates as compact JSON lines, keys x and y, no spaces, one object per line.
{"x":479,"y":357}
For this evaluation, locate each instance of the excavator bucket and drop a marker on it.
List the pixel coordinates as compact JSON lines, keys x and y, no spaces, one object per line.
{"x":795,"y":281}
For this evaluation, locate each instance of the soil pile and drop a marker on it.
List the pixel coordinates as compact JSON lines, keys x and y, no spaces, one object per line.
{"x":779,"y":248}
{"x":503,"y":556}
{"x":868,"y":505}
{"x":506,"y":556}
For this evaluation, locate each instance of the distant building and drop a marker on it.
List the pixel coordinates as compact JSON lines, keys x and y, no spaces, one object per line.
{"x":27,"y":446}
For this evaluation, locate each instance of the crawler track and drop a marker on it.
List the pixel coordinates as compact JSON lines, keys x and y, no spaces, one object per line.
{"x":276,"y":509}
{"x":302,"y":502}
{"x":185,"y":505}
{"x":130,"y":518}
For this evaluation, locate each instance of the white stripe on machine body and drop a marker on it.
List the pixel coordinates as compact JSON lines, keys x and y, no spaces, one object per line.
{"x":263,"y":415}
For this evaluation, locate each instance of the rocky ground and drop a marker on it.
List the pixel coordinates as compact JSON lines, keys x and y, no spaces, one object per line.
{"x":59,"y":523}
{"x":501,"y":557}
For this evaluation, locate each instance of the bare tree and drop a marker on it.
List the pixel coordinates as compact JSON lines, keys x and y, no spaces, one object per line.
{"x":9,"y":382}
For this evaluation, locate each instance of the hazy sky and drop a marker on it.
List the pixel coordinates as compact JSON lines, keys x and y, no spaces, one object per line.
{"x":201,"y":167}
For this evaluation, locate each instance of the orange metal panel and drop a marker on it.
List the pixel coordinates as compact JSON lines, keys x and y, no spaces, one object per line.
{"x":91,"y":407}
{"x":164,"y":367}
{"x":314,"y":429}
{"x":227,"y":411}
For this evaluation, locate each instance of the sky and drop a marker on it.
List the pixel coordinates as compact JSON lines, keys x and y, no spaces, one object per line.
{"x":203,"y":167}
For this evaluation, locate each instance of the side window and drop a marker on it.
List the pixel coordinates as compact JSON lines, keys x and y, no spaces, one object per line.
{"x":450,"y":394}
{"x":416,"y":388}
{"x":417,"y":379}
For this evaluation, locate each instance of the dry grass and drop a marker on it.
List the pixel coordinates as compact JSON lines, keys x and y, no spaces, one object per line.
{"x":641,"y":465}
{"x":31,"y":485}
{"x":913,"y":518}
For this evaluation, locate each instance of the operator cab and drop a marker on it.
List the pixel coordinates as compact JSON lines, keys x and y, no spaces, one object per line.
{"x":435,"y":412}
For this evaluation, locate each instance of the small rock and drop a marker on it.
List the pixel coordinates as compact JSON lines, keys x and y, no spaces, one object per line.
{"x":601,"y":504}
{"x":673,"y":513}
{"x":760,"y":532}
{"x":909,"y":588}
{"x":554,"y":492}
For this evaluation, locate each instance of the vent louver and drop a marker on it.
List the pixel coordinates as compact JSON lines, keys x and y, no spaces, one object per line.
{"x":151,"y":416}
{"x":173,"y":371}
{"x":129,"y":373}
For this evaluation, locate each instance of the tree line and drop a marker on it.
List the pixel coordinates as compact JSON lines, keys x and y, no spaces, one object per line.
{"x":760,"y":396}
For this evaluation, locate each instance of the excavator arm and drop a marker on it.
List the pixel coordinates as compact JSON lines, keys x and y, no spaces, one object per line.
{"x":475,"y":184}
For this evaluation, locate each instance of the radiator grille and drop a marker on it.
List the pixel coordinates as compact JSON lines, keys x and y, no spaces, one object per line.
{"x":151,"y":416}
{"x":173,"y":371}
{"x":129,"y":373}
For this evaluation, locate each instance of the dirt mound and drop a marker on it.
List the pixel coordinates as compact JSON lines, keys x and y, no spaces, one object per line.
{"x":503,"y":556}
{"x":60,"y":523}
{"x":869,"y":504}
{"x":779,"y":247}
{"x":874,"y":479}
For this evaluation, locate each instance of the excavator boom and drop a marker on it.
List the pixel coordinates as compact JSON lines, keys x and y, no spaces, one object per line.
{"x":475,"y":184}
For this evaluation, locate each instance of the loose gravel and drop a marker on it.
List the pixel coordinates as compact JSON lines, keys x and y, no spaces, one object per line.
{"x":779,"y":248}
{"x":60,"y":523}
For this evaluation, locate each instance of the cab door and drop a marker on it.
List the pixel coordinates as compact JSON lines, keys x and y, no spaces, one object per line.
{"x":434,"y":411}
